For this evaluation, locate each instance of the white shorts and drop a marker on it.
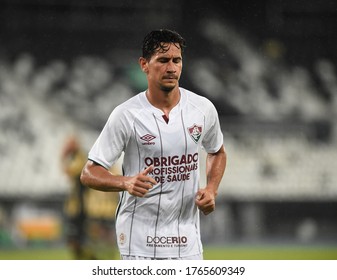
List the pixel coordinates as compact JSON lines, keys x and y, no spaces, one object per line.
{"x":194,"y":257}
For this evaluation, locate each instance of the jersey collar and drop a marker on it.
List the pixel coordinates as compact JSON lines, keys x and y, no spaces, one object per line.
{"x":157,"y":112}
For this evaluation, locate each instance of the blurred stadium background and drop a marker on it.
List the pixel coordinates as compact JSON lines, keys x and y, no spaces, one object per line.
{"x":270,"y":68}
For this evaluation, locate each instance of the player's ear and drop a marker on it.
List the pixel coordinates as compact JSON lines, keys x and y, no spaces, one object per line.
{"x":143,"y":64}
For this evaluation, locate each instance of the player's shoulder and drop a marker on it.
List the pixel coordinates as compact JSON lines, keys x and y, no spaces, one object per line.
{"x":127,"y":110}
{"x":196,"y":99}
{"x":128,"y":105}
{"x":132,"y":102}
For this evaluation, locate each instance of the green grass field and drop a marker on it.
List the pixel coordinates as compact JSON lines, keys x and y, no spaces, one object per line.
{"x":273,"y":252}
{"x":240,"y":252}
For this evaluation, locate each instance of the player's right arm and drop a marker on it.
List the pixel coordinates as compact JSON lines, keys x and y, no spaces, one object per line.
{"x":99,"y":178}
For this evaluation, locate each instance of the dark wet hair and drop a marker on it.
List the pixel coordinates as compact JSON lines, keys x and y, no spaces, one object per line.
{"x":156,"y":40}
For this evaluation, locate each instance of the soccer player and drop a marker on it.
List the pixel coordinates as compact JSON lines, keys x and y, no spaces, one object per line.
{"x":160,"y":131}
{"x":73,"y":159}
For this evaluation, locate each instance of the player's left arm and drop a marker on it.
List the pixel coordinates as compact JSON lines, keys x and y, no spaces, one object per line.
{"x":215,"y":168}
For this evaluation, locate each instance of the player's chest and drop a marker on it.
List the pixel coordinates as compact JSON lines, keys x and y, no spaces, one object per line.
{"x":181,"y":132}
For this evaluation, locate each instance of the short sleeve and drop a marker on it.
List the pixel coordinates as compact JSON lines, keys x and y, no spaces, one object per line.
{"x":110,"y":144}
{"x":213,"y":139}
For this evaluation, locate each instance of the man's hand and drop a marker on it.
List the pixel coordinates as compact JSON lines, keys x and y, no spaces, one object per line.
{"x":205,"y":200}
{"x":140,"y":184}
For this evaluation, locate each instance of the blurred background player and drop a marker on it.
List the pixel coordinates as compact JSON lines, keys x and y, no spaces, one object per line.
{"x":73,"y":160}
{"x":90,"y":214}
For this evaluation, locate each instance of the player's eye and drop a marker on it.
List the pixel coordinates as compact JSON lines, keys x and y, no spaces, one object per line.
{"x":163,"y":60}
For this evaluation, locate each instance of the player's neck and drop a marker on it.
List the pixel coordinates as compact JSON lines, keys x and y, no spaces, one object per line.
{"x":163,"y":100}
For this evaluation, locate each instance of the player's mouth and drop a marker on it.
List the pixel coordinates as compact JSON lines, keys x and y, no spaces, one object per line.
{"x":170,"y":77}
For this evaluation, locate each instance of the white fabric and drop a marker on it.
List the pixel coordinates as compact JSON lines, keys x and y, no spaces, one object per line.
{"x":164,"y":223}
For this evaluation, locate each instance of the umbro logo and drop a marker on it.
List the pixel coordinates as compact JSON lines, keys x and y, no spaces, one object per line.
{"x":147,"y":138}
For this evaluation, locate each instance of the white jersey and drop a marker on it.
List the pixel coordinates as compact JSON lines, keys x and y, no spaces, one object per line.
{"x":164,"y":223}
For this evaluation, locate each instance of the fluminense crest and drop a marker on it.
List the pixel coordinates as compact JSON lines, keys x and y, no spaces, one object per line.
{"x":195,"y":132}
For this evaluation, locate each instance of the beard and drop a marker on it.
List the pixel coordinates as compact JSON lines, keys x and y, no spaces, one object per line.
{"x":166,"y":88}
